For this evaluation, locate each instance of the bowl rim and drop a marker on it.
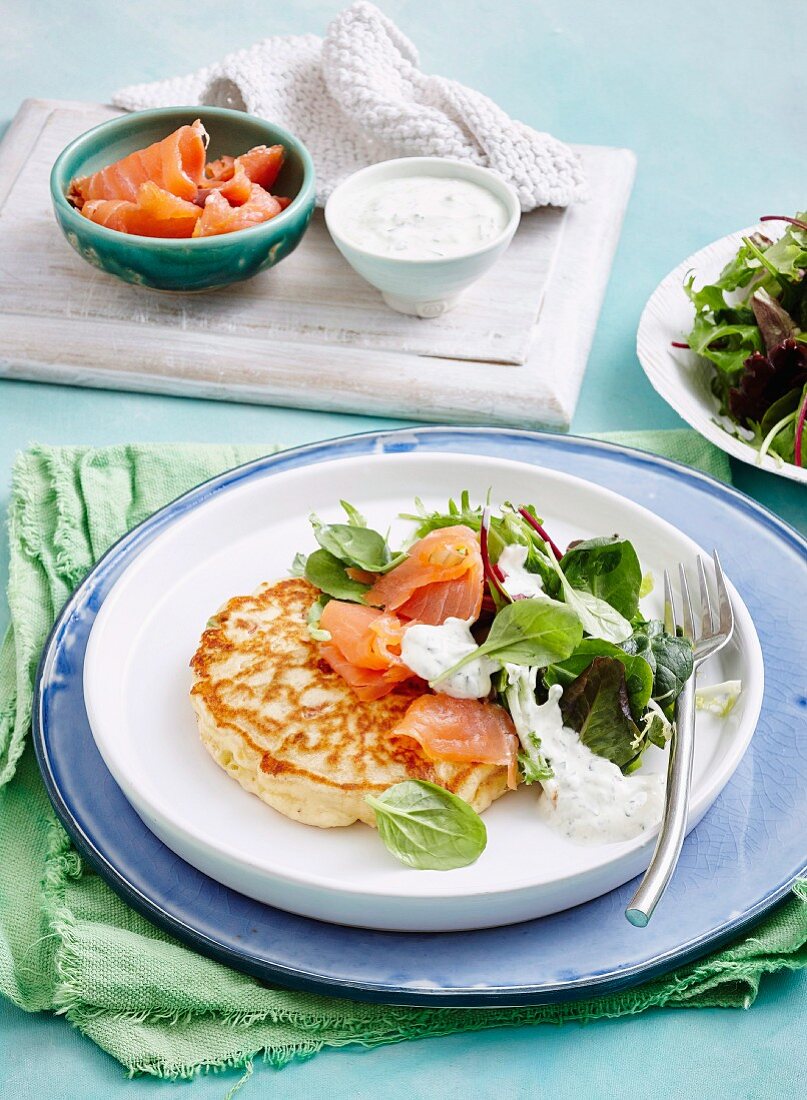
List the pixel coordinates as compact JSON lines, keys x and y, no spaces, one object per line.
{"x":305,"y":195}
{"x":482,"y":174}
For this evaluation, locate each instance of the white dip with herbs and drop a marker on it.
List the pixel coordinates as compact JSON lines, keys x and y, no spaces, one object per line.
{"x":519,"y":582}
{"x":588,"y":799}
{"x":424,"y":217}
{"x":432,"y":650}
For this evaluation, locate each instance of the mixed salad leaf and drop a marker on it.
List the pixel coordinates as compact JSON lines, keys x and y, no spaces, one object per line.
{"x":751,"y":324}
{"x":638,"y":671}
{"x":355,"y":544}
{"x":428,"y":827}
{"x":528,"y":632}
{"x":620,"y":673}
{"x":597,"y":706}
{"x":533,"y":765}
{"x":607,"y":568}
{"x":330,"y":575}
{"x":669,"y":658}
{"x":599,"y":617}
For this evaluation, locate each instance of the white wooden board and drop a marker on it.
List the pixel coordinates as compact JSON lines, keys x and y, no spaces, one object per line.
{"x":309,"y":332}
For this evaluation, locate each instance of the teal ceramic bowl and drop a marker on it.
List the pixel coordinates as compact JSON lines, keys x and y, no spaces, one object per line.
{"x":185,"y":265}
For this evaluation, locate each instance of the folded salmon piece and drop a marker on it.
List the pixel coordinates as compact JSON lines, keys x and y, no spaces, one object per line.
{"x":461,"y":731}
{"x":442,"y":576}
{"x":236,"y":188}
{"x":176,"y":164}
{"x":365,"y":648}
{"x":218,"y":216}
{"x":261,"y":165}
{"x":155,"y":213}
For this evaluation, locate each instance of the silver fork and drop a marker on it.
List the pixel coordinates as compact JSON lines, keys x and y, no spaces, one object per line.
{"x":715,"y":632}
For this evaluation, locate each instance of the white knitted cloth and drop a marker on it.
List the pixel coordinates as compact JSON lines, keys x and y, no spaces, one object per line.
{"x":358,"y":96}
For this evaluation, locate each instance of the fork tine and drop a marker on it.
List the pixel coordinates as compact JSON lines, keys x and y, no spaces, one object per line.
{"x":669,"y":606}
{"x":723,"y":600}
{"x":707,"y":617}
{"x":686,"y":605}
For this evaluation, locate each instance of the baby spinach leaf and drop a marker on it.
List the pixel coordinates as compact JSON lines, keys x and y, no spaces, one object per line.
{"x":599,"y":619}
{"x":638,"y":673}
{"x":596,"y":705}
{"x":669,"y":657}
{"x":428,"y":827}
{"x":359,"y":547}
{"x":778,"y":425}
{"x":638,"y":644}
{"x":354,"y":543}
{"x":673,"y":667}
{"x":779,"y":409}
{"x":608,"y":568}
{"x":528,"y":632}
{"x":329,"y":574}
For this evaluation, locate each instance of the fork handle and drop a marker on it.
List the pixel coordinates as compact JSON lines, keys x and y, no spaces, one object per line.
{"x":676,"y":810}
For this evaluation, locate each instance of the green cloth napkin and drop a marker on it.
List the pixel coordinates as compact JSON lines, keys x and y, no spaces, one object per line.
{"x":69,"y":944}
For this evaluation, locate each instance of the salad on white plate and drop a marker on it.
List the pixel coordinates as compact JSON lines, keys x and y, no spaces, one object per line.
{"x":723,"y":339}
{"x":751,"y":325}
{"x":541,"y":659}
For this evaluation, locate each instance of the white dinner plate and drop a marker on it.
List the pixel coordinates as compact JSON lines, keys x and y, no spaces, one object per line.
{"x":680,"y":376}
{"x":136,"y":683}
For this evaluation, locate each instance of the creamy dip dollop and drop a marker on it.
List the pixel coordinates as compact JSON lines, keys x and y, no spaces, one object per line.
{"x":519,"y":582}
{"x":431,"y":650}
{"x":588,"y":799}
{"x":424,"y":217}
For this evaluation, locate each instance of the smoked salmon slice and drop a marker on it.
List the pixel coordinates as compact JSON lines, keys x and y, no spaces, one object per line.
{"x":230,"y":193}
{"x":365,"y":647}
{"x":442,"y":576}
{"x":367,"y":637}
{"x":461,"y":731}
{"x":236,"y":189}
{"x":261,"y":165}
{"x":176,"y":164}
{"x":156,"y":213}
{"x":219,"y":217}
{"x":367,"y":683}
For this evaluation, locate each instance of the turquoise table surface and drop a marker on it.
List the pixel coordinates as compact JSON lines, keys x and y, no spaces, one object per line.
{"x":717,"y":124}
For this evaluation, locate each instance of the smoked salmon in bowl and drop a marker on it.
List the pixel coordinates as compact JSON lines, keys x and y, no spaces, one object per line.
{"x":184,"y":198}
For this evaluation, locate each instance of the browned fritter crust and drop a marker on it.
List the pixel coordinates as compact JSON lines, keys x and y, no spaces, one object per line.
{"x":289,"y":729}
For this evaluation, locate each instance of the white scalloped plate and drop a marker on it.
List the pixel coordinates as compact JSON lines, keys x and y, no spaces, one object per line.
{"x":678,"y":375}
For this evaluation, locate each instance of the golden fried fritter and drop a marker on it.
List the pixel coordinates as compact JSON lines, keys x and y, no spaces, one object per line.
{"x":290,"y":730}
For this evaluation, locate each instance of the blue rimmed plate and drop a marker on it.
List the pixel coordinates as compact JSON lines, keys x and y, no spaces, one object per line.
{"x":739,"y":861}
{"x":137,"y":684}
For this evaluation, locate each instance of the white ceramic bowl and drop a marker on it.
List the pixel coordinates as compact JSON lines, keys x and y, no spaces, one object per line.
{"x":425,"y":288}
